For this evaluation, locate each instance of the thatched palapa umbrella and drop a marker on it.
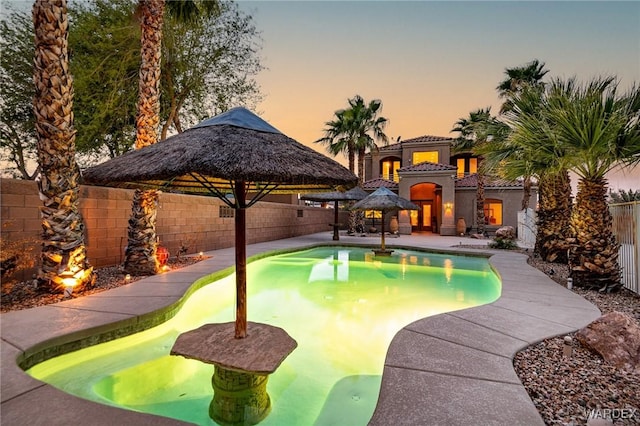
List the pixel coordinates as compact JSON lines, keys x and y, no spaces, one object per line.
{"x":354,"y":194}
{"x":384,"y":200}
{"x":235,"y":153}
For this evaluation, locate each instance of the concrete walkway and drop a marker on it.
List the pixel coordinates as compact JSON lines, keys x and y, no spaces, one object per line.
{"x":449,"y":369}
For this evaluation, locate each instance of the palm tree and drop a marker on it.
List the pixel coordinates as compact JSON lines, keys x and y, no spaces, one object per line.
{"x":64,"y":257}
{"x":338,"y":138}
{"x":527,"y":150}
{"x":597,"y":128}
{"x":363,"y":120}
{"x":474,"y":132}
{"x":140,"y":254}
{"x":517,"y":79}
{"x":349,"y":133}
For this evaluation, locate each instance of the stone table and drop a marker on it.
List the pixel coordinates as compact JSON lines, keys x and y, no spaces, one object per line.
{"x":242,"y":367}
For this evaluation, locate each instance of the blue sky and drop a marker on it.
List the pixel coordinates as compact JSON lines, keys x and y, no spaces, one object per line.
{"x":429,"y":62}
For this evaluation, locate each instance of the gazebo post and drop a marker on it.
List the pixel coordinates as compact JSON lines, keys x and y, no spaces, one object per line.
{"x":383,"y":249}
{"x":241,"y":260}
{"x":336,"y":232}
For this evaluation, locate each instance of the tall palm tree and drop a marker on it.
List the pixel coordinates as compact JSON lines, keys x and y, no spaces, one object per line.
{"x":338,"y":139}
{"x":363,"y":121}
{"x":597,"y":128}
{"x":354,"y":131}
{"x":474,"y":132}
{"x":528,"y":150}
{"x":517,"y":78}
{"x":140,"y":254}
{"x":64,"y":257}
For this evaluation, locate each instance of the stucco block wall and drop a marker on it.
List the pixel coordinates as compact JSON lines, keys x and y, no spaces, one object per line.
{"x":182,"y":220}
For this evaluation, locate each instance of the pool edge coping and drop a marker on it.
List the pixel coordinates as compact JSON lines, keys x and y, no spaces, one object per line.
{"x":263,"y":251}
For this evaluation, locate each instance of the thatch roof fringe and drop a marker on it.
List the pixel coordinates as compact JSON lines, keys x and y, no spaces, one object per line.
{"x":221,"y":154}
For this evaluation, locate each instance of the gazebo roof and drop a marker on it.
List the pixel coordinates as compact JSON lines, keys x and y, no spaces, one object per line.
{"x":233,"y":146}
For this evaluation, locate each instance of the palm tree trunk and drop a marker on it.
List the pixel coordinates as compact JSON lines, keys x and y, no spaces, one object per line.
{"x":554,"y":216}
{"x":361,"y":154}
{"x":594,"y":253}
{"x":351,"y":154}
{"x":64,"y":257}
{"x":141,"y":248}
{"x":480,"y":203}
{"x":359,"y":215}
{"x":148,"y":120}
{"x":140,"y":253}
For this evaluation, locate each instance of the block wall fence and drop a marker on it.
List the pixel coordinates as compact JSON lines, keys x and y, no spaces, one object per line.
{"x":182,"y":220}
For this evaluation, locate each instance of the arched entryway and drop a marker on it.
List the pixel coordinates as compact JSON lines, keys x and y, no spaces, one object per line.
{"x":428,"y":197}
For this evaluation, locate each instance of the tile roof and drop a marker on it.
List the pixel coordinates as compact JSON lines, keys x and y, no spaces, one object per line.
{"x":427,"y":167}
{"x":425,"y":138}
{"x":428,"y":138}
{"x":379,"y":183}
{"x":390,"y":147}
{"x":471,"y":181}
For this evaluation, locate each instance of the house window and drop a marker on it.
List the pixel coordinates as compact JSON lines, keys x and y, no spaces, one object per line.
{"x":390,"y":170}
{"x":493,"y":212}
{"x":422,"y":156}
{"x":460,"y":165}
{"x":225,"y":211}
{"x":300,"y":213}
{"x":466,"y":166}
{"x":473,"y":165}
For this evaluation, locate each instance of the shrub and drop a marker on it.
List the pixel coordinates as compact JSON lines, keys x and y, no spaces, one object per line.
{"x":503,"y":244}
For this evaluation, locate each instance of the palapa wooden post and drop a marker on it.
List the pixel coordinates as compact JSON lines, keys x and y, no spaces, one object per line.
{"x":382,"y":241}
{"x":241,"y":260}
{"x":336,"y":232}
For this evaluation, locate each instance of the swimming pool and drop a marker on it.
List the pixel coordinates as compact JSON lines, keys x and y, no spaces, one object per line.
{"x":342,"y":305}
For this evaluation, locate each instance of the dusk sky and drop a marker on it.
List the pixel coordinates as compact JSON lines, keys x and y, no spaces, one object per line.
{"x":429,"y":62}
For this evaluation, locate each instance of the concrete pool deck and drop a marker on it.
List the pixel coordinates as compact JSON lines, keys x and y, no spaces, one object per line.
{"x":449,"y":369}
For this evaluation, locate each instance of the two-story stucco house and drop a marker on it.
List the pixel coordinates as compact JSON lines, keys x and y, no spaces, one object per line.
{"x":443,"y":185}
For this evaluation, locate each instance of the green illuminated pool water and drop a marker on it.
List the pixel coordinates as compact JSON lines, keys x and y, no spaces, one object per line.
{"x":342,"y":305}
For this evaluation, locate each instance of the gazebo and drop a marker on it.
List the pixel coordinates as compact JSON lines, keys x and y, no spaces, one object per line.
{"x":384,"y":200}
{"x":354,"y":194}
{"x":239,"y":158}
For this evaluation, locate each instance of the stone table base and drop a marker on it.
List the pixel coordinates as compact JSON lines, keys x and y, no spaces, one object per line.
{"x":242,"y":367}
{"x":239,"y":398}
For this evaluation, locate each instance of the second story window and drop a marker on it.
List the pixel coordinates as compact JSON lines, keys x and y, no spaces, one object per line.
{"x":473,"y":165}
{"x":466,"y":166}
{"x":422,"y":156}
{"x":460,"y":165}
{"x":390,"y":170}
